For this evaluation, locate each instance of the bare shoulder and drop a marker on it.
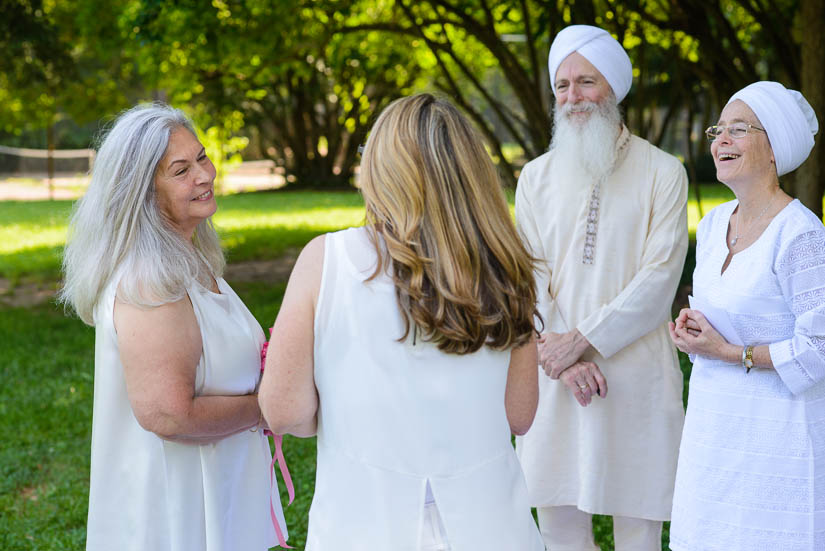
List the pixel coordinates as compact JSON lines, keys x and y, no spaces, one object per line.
{"x":169,"y":325}
{"x":311,"y":259}
{"x":313,"y":252}
{"x":305,"y":279}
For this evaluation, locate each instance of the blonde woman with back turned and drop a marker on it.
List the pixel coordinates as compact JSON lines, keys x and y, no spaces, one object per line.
{"x":178,"y":462}
{"x":409,"y":344}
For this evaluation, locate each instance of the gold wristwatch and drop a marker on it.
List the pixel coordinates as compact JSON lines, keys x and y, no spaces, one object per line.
{"x":747,"y":358}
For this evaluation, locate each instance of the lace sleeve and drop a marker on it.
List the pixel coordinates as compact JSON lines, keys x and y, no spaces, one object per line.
{"x":800,"y":360}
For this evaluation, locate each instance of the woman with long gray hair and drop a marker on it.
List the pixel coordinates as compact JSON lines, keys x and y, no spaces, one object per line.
{"x":178,"y":458}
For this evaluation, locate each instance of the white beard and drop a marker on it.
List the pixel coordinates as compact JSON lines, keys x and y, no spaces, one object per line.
{"x":586,"y":148}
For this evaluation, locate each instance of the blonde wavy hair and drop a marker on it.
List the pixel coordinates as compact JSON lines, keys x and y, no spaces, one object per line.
{"x":463,"y":278}
{"x":117,"y":226}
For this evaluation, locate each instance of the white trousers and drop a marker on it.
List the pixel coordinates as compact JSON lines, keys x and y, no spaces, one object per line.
{"x":433,"y":536}
{"x":569,"y":529}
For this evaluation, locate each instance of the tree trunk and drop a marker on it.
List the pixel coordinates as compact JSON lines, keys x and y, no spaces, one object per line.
{"x":810,"y":178}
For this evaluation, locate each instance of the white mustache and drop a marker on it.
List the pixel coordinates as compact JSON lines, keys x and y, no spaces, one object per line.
{"x":581,"y":107}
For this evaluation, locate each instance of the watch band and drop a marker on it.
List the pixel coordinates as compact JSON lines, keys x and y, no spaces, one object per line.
{"x":747,"y":358}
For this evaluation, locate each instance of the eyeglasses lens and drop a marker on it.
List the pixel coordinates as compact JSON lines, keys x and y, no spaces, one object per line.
{"x":737,"y":130}
{"x":734,"y":130}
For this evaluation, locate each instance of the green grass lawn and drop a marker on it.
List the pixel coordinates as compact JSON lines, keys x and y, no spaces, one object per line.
{"x":253,"y":226}
{"x":46,"y":363}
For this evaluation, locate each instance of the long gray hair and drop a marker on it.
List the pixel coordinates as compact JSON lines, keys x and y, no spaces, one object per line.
{"x":117,"y":227}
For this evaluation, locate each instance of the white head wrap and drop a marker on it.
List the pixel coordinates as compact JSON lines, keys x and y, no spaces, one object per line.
{"x":788,"y":120}
{"x":600,"y":49}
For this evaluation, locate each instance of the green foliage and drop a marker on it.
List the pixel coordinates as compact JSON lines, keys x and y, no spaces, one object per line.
{"x":302,"y":81}
{"x":53,"y":67}
{"x":304,"y":94}
{"x":223,"y":148}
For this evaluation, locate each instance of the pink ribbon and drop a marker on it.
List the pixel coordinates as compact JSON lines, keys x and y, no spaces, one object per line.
{"x":290,"y":488}
{"x":279,"y":457}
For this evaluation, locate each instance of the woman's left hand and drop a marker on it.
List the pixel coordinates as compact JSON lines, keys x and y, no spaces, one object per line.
{"x":692,"y":333}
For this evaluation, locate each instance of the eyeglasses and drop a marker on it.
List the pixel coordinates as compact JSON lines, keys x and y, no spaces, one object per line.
{"x":736,"y":130}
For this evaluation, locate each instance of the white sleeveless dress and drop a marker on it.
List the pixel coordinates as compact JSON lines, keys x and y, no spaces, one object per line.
{"x":147,"y":493}
{"x":394,"y":416}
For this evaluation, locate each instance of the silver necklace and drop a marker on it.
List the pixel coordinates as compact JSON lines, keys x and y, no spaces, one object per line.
{"x":754,"y":221}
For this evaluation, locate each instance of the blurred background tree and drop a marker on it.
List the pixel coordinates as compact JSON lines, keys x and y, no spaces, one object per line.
{"x":300,"y":82}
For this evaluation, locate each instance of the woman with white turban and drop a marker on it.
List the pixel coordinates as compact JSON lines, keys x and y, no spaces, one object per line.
{"x":751,"y":471}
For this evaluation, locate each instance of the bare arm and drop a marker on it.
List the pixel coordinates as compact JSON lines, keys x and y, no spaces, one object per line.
{"x":522,"y":394}
{"x":288,"y":397}
{"x":160,"y":349}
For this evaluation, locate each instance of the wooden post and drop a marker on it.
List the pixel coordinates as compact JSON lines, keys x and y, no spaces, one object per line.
{"x":50,"y":157}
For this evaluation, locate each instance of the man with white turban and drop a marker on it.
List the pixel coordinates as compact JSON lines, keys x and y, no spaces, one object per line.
{"x":606,"y":212}
{"x":751,"y":469}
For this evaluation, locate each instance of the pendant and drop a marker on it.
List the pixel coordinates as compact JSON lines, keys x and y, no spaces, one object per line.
{"x":733,"y":241}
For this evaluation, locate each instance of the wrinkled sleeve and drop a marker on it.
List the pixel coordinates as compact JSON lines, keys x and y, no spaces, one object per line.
{"x":530,"y":235}
{"x":800,"y":360}
{"x":645,"y":302}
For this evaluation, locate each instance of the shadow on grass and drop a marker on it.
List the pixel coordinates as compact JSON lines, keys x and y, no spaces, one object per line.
{"x":37,"y":263}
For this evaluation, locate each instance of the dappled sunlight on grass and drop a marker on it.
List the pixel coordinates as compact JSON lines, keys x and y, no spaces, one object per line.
{"x":19,"y":237}
{"x":252,"y":226}
{"x":260,"y":226}
{"x":32,"y":224}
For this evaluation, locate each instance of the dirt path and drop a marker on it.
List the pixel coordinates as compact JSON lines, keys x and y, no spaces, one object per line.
{"x":31,"y":293}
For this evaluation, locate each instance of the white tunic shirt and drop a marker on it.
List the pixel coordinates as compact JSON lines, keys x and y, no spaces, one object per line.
{"x":148,"y":493}
{"x":394,"y":415}
{"x":617,"y":456}
{"x":752,"y":461}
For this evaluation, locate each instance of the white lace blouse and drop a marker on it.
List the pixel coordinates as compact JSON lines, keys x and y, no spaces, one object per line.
{"x":751,"y":471}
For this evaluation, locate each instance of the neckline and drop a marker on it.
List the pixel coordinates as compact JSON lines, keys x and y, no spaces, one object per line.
{"x":726,"y":220}
{"x":219,"y":282}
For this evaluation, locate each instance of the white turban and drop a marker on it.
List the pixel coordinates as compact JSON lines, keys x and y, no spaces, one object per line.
{"x":600,"y":49}
{"x":788,"y":120}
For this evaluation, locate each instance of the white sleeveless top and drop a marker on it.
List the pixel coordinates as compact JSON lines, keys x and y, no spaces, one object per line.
{"x":149,"y":493}
{"x":395,"y":415}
